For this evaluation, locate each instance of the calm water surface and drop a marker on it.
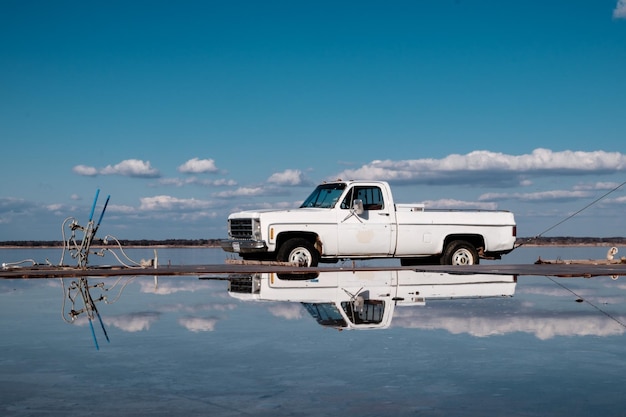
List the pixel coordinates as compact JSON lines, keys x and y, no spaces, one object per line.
{"x":188,"y":346}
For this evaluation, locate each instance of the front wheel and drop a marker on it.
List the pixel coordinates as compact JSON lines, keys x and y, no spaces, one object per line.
{"x":298,"y":250}
{"x":460,"y":252}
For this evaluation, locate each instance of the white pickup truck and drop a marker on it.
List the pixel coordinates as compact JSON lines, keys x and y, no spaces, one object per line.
{"x":361,"y":220}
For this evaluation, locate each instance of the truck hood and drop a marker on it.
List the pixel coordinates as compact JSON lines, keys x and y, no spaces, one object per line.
{"x":247,"y":214}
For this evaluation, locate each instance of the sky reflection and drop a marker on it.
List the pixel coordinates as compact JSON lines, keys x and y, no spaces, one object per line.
{"x":188,"y":346}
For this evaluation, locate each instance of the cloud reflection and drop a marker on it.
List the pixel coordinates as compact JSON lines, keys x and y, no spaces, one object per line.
{"x":164,"y":287}
{"x":289,"y":311}
{"x":198,"y":324}
{"x":543,"y":325}
{"x":133,"y":322}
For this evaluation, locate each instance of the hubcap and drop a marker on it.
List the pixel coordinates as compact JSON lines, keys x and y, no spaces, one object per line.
{"x":462,"y":257}
{"x":300,"y":256}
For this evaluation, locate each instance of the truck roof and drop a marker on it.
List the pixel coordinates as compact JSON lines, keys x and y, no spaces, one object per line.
{"x":340,"y":181}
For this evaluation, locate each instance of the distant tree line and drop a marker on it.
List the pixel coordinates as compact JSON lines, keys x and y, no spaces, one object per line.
{"x":123,"y":242}
{"x":542,"y":240}
{"x":571,"y":240}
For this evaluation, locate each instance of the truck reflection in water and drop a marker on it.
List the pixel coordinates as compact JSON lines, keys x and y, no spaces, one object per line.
{"x":366,"y":299}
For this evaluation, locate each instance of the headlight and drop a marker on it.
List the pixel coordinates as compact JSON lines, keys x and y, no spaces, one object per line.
{"x":256,"y":229}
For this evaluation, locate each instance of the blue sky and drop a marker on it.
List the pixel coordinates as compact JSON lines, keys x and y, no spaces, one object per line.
{"x":183,"y":112}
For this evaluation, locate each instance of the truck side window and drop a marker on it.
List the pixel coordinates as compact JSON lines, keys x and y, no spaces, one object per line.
{"x":372,"y":198}
{"x":372,"y":311}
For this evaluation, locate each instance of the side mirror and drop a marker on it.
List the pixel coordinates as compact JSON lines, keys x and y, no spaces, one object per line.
{"x":357,"y":206}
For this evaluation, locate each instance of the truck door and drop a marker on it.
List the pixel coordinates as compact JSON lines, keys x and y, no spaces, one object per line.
{"x":369,"y":233}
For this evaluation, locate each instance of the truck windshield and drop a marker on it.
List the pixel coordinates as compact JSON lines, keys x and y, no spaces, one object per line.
{"x":326,"y":314}
{"x":325,"y":196}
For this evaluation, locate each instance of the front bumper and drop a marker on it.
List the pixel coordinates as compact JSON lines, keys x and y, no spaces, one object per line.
{"x":243,"y":245}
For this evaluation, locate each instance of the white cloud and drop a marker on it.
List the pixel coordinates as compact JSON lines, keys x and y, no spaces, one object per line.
{"x":55,"y":207}
{"x":287,"y":177}
{"x":224,"y":182}
{"x":85,"y":170}
{"x":176,"y":182}
{"x":241,"y":192}
{"x":606,"y":186}
{"x":280,"y":205}
{"x":197,"y":216}
{"x":618,"y":200}
{"x":117,"y":208}
{"x":198,"y":166}
{"x":181,"y":182}
{"x":542,"y":196}
{"x":128,"y":168}
{"x":166,"y":202}
{"x":131,"y":168}
{"x":486,"y":167}
{"x":458,"y":204}
{"x":580,"y":191}
{"x":620,"y":10}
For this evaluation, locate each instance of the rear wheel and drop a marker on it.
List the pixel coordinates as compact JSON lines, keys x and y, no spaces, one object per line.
{"x":298,"y":250}
{"x":460,"y":252}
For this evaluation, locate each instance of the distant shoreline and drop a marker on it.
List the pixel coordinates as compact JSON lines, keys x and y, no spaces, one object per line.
{"x":125,"y":243}
{"x":214,"y":243}
{"x":113,"y":246}
{"x":564,"y":245}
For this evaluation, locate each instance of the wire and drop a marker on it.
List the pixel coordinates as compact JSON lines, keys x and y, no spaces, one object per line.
{"x":119,"y":293}
{"x":574,"y":214}
{"x":6,"y":265}
{"x":65,"y":244}
{"x":588,"y":302}
{"x":119,"y":245}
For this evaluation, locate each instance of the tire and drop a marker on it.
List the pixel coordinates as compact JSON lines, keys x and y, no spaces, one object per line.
{"x":460,"y":252}
{"x":298,"y":250}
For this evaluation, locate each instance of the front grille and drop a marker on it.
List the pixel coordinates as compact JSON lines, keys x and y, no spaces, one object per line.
{"x":241,"y":228}
{"x":244,"y":283}
{"x":240,"y":284}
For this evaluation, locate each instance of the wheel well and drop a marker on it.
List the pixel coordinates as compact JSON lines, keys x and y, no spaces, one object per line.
{"x":311,"y":237}
{"x":476,"y":240}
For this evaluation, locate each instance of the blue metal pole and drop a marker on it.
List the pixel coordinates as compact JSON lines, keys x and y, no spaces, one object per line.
{"x":104,"y":330}
{"x":103,"y":209}
{"x":93,"y":207}
{"x":93,"y":333}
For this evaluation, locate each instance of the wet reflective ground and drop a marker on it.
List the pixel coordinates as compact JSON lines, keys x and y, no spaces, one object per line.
{"x":434,"y":345}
